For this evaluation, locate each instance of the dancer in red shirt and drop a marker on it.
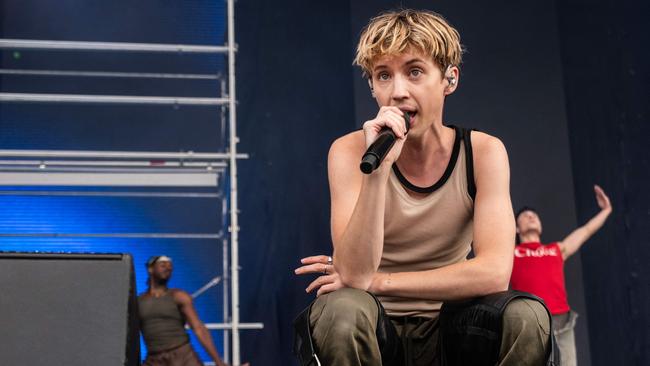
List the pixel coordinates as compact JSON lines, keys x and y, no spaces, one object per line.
{"x":539,"y":268}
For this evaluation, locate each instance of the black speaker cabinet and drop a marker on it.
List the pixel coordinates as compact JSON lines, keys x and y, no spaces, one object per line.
{"x":68,"y":309}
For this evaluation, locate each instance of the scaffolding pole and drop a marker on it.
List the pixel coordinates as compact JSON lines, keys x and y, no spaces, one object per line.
{"x":108,"y":99}
{"x":234,"y":208}
{"x":108,"y":74}
{"x":51,"y":45}
{"x":99,"y":154}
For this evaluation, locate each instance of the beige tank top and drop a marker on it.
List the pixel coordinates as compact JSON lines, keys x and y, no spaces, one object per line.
{"x":426,"y":233}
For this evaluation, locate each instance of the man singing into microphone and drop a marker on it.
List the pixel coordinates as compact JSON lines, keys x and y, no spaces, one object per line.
{"x":403,"y":232}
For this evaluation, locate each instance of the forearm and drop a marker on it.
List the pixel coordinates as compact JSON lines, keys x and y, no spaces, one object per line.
{"x":358,"y":251}
{"x":204,"y":337}
{"x":597,"y":221}
{"x":471,"y":278}
{"x":572,"y":243}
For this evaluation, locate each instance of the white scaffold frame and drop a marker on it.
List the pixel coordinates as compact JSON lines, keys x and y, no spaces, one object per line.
{"x":130,"y":168}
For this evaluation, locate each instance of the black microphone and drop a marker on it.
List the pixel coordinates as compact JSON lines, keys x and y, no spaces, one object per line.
{"x":380,"y":147}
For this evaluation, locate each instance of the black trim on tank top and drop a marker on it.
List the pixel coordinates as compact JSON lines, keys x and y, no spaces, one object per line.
{"x":450,"y":168}
{"x":469,"y":163}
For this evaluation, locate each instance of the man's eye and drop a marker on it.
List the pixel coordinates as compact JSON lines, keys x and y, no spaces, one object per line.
{"x":382,"y":76}
{"x":416,"y":72}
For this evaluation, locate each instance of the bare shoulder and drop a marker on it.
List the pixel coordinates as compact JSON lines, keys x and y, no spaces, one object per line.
{"x":490,"y":160}
{"x":345,"y":155}
{"x":483,"y":143}
{"x":180,"y":296}
{"x":488,"y":150}
{"x":348,"y":146}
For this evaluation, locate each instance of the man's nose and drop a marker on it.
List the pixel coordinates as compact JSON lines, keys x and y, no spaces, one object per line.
{"x":400,"y":88}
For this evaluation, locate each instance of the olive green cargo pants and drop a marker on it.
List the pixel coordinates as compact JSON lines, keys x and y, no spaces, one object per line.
{"x":344,"y":326}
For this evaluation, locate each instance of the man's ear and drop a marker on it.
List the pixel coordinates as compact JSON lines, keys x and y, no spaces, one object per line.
{"x":372,"y":90}
{"x":452,"y":75}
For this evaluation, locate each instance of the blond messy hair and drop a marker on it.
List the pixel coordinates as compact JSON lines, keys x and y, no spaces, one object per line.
{"x":395,"y":32}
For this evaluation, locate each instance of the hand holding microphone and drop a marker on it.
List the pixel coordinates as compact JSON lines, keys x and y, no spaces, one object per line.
{"x":384,"y":141}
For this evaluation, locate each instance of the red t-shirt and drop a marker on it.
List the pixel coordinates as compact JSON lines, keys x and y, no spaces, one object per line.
{"x":539,"y":269}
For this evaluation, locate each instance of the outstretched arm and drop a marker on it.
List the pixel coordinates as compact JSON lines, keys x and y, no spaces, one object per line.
{"x":579,"y":236}
{"x":184,"y":300}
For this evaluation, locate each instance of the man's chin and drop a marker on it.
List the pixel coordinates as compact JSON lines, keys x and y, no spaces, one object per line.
{"x":529,"y":231}
{"x":162,"y":281}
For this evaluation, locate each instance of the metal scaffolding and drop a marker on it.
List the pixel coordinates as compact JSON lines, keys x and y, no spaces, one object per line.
{"x":141,"y":168}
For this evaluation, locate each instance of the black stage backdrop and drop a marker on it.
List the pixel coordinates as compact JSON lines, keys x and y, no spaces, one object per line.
{"x":606,"y":63}
{"x":295,"y":96}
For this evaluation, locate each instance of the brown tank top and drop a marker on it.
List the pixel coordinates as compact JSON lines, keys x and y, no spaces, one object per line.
{"x":161,"y":322}
{"x":427,"y":233}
